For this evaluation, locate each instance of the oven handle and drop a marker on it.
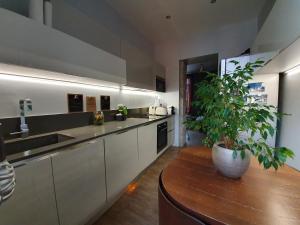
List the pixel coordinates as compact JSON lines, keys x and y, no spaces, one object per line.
{"x":163,"y":129}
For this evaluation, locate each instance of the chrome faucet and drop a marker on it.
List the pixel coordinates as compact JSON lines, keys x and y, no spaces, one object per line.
{"x":25,"y":106}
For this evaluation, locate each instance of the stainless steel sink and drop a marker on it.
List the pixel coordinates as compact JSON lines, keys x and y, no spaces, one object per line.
{"x":33,"y":143}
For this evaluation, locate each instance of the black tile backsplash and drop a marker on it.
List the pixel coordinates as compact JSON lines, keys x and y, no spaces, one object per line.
{"x":47,"y":123}
{"x":50,"y":123}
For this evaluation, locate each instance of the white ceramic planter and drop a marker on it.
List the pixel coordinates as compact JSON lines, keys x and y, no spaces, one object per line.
{"x":227,"y":165}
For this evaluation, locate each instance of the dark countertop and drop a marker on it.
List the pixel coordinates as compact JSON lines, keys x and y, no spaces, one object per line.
{"x":82,"y":134}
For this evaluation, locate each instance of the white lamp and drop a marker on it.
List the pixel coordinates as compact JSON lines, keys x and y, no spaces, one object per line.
{"x":7,"y":174}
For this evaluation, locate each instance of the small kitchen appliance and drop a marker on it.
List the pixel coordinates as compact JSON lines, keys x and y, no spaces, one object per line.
{"x":152,"y":110}
{"x":161,"y":111}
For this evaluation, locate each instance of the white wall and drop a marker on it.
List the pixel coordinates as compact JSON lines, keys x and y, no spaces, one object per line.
{"x":290,"y":125}
{"x":52,"y":98}
{"x":281,"y":27}
{"x":229,"y":41}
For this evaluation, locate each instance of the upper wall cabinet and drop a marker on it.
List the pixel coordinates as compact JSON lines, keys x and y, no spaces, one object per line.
{"x":25,"y":42}
{"x":75,"y":23}
{"x":159,"y":70}
{"x":139,"y":67}
{"x":228,"y":67}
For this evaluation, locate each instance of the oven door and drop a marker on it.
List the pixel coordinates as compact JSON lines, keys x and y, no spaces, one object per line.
{"x":162,"y":136}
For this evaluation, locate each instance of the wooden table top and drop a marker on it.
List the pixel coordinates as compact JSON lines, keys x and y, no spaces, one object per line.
{"x":192,"y":183}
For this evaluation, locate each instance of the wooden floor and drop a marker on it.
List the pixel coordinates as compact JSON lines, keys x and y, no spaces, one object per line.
{"x":139,"y":207}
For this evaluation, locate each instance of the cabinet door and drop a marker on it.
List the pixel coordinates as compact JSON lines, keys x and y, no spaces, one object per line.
{"x":121,"y":154}
{"x":33,"y":201}
{"x":139,"y":67}
{"x":170,"y":138}
{"x":79,"y":178}
{"x":159,"y":70}
{"x":171,"y":122}
{"x":147,"y":142}
{"x":71,"y":21}
{"x":42,"y":47}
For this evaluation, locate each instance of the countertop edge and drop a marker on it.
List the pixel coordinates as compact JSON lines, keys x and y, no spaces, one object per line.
{"x":47,"y":151}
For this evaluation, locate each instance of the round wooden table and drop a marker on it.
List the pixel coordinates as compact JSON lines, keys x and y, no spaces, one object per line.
{"x":191,"y":192}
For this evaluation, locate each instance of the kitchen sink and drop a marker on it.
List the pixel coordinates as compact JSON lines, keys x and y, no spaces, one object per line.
{"x":35,"y":142}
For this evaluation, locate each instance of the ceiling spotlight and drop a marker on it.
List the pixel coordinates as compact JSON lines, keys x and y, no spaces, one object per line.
{"x":168,"y":17}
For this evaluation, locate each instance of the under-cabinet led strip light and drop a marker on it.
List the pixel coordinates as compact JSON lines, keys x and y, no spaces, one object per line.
{"x":27,"y":79}
{"x":38,"y":80}
{"x":136,"y":91}
{"x":294,"y":70}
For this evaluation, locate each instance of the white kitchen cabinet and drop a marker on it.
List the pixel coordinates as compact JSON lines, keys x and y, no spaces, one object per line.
{"x":77,"y":24}
{"x":170,"y":138}
{"x":147,"y":142}
{"x":171,"y":122}
{"x":122,"y":162}
{"x":31,"y":44}
{"x":79,"y":178}
{"x":33,"y":201}
{"x":228,"y":67}
{"x":159,"y":70}
{"x":139,"y":67}
{"x":171,"y":127}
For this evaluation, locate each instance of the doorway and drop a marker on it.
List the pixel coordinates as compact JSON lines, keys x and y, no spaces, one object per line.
{"x":192,"y":72}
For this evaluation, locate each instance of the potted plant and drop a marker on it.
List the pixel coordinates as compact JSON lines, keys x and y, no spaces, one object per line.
{"x":235,"y":127}
{"x":122,"y":112}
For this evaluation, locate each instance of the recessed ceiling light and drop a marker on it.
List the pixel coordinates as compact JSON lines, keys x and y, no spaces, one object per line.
{"x":168,"y":17}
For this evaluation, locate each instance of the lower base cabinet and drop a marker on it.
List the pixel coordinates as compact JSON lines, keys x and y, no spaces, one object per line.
{"x":75,"y":185}
{"x":122,"y":162}
{"x":33,"y":201}
{"x":170,"y":137}
{"x":79,"y":178}
{"x":147,"y":145}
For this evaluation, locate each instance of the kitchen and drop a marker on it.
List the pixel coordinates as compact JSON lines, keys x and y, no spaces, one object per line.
{"x":93,"y":104}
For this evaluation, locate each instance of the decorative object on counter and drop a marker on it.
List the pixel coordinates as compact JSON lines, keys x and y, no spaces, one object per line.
{"x":105,"y":102}
{"x":7,"y":173}
{"x":25,"y":106}
{"x":91,"y":104}
{"x":75,"y":102}
{"x":234,"y":126}
{"x":122,"y":112}
{"x":99,"y":118}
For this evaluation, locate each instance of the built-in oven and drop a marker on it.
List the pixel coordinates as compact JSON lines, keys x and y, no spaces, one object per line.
{"x":162,"y":136}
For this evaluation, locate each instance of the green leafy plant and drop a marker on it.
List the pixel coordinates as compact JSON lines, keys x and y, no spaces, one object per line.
{"x":228,"y":115}
{"x":122,"y":109}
